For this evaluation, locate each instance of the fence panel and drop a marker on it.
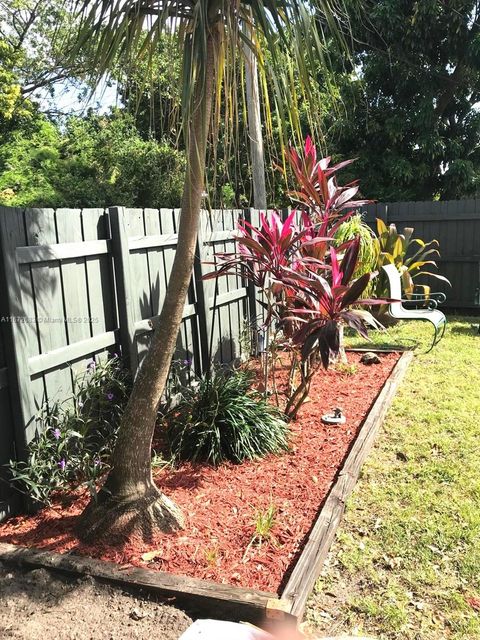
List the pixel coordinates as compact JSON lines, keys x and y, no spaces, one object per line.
{"x":227,"y":308}
{"x":456,"y":225}
{"x":77,"y":284}
{"x":59,"y":294}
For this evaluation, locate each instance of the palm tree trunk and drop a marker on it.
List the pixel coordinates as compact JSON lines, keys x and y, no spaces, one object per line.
{"x":257,"y":154}
{"x":129,"y":500}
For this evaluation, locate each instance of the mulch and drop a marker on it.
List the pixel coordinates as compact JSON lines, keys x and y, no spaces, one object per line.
{"x":221,"y":504}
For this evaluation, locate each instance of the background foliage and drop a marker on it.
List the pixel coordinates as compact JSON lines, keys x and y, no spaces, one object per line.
{"x":405,"y":105}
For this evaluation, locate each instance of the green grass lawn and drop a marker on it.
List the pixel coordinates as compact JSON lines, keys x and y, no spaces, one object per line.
{"x":406,"y":561}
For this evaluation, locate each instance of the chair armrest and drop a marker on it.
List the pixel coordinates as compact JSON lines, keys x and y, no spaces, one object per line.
{"x":438,"y":296}
{"x":431,"y":303}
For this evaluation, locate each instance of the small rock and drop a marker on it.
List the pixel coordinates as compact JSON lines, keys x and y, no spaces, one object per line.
{"x":137,"y":614}
{"x":370,"y":358}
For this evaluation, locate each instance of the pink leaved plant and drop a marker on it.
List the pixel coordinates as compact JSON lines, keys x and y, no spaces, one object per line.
{"x":318,"y":191}
{"x":307,"y":282}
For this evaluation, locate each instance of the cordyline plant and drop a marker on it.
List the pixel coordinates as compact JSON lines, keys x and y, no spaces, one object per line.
{"x":307,"y":283}
{"x":317,"y":190}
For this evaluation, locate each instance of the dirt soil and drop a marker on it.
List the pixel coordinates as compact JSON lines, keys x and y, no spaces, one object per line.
{"x":221,"y":505}
{"x":41,"y":605}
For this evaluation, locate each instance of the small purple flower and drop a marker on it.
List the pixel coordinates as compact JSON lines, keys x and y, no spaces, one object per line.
{"x":57,"y":433}
{"x":91,"y":365}
{"x":62,"y":464}
{"x":110,"y":396}
{"x":187,"y":362}
{"x":96,"y":462}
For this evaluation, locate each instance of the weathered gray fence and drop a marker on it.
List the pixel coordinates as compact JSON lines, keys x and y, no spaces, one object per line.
{"x":456,"y":225}
{"x":80,"y":284}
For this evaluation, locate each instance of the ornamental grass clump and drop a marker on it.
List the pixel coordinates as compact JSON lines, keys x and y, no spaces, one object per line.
{"x":224,"y":419}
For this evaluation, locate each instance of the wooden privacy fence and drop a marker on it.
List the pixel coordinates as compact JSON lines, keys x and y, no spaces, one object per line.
{"x":82,"y":284}
{"x":456,"y":225}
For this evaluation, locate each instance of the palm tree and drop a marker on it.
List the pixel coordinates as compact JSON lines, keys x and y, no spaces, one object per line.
{"x":211,"y":34}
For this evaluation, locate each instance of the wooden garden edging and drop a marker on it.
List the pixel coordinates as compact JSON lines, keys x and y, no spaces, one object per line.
{"x":224,"y":601}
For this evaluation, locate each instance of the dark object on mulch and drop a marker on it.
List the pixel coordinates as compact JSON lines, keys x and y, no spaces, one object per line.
{"x":370,"y":358}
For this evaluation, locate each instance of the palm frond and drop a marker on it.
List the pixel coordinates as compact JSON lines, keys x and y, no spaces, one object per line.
{"x":288,"y":37}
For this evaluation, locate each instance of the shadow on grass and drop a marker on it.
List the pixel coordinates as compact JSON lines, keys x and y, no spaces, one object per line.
{"x":466,"y":330}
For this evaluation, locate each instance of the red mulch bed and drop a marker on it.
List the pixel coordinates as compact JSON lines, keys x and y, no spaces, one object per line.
{"x":220,"y":504}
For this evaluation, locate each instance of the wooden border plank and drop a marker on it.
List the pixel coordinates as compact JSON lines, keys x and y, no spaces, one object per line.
{"x":63,"y":251}
{"x":310,"y":563}
{"x":222,"y":601}
{"x":57,"y":357}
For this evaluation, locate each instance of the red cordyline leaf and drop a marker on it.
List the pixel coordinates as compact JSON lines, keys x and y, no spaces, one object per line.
{"x":317,"y":187}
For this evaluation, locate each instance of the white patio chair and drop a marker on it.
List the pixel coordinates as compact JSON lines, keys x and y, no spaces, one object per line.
{"x":398,"y":311}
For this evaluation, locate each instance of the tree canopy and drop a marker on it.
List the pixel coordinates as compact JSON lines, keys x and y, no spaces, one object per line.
{"x":411,"y":100}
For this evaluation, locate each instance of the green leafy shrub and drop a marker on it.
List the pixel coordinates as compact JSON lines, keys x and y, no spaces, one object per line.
{"x":223,"y":419}
{"x":94,"y":161}
{"x":409,"y":255}
{"x":76,"y":437}
{"x":353,"y":228}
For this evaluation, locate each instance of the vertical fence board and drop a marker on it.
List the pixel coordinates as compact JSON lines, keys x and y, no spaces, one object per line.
{"x":74,"y":282}
{"x":49,"y":302}
{"x":12,"y":234}
{"x":95,"y":223}
{"x":123,"y":279}
{"x":8,"y":503}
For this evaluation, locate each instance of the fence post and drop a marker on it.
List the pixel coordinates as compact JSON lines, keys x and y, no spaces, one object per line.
{"x":124,"y":286}
{"x":12,"y":234}
{"x":252,"y":295}
{"x":205,"y":290}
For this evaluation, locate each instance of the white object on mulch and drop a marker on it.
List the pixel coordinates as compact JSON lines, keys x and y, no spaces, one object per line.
{"x":219,"y":630}
{"x":335,"y":417}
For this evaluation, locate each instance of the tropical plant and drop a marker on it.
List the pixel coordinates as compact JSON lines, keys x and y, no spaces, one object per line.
{"x":392,"y":247}
{"x":209,"y":36}
{"x":308,"y":284}
{"x":355,"y":227}
{"x":316,"y":310}
{"x":317,"y":190}
{"x":224,"y":419}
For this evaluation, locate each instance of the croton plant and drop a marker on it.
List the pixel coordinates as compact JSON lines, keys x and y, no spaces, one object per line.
{"x":306,"y":280}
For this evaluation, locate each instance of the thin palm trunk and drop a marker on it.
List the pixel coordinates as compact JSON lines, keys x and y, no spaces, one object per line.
{"x":129,"y":499}
{"x":255,"y":124}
